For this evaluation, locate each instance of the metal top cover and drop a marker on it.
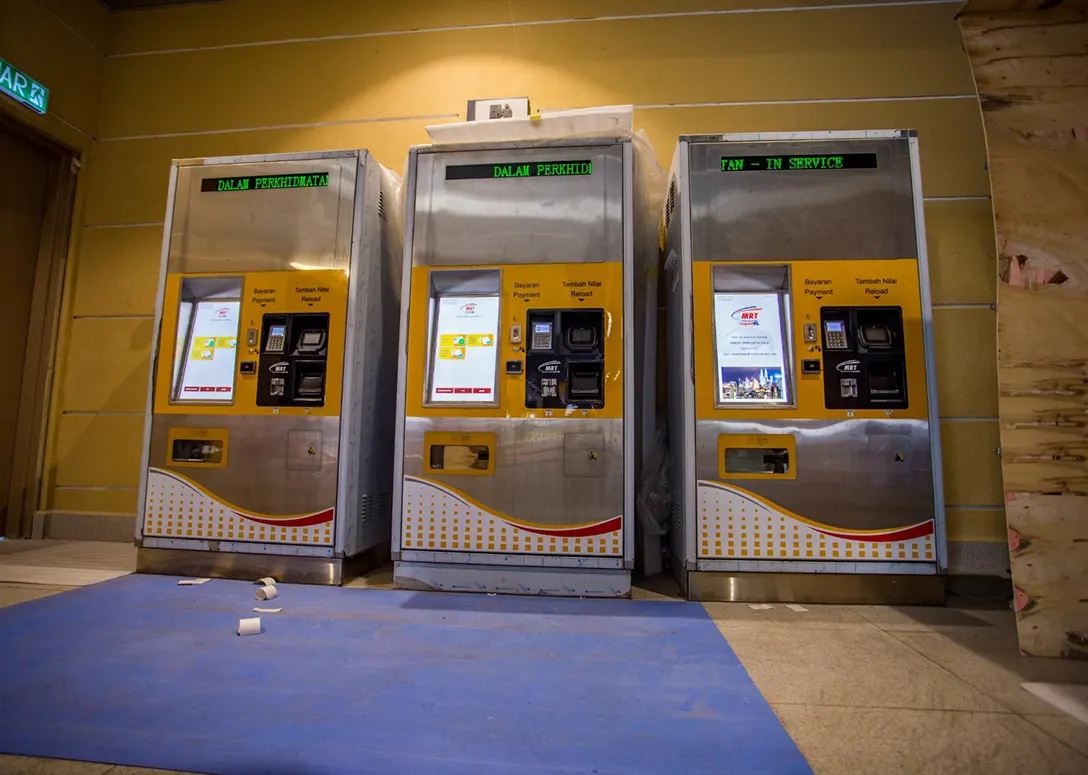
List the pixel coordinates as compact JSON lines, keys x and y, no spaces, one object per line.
{"x":790,"y":200}
{"x":264,"y":213}
{"x":518,"y":203}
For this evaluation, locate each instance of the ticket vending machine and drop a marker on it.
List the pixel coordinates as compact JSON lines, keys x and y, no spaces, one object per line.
{"x":515,"y":452}
{"x":803,"y":433}
{"x":274,"y":370}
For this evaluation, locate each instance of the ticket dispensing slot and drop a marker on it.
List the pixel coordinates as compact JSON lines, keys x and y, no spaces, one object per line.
{"x":864,"y":359}
{"x":565,"y":359}
{"x":757,"y":456}
{"x":197,"y":447}
{"x":294,"y":350}
{"x":460,"y":454}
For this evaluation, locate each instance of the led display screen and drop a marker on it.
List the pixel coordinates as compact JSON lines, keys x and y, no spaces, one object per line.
{"x":819,"y":161}
{"x":265,"y":182}
{"x":534,"y":169}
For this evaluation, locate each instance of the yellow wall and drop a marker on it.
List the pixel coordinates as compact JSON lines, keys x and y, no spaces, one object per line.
{"x":261,"y":76}
{"x":61,"y":44}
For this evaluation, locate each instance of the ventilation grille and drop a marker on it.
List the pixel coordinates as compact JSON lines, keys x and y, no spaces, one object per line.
{"x":677,"y":514}
{"x":670,"y":203}
{"x":381,"y":205}
{"x":373,"y":507}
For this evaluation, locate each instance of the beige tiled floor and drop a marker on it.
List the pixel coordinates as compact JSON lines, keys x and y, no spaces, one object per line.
{"x":863,"y":690}
{"x":869,"y":689}
{"x":64,"y":563}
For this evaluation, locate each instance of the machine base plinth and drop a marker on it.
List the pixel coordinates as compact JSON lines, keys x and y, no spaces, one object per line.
{"x":829,"y":588}
{"x":557,"y":582}
{"x":249,"y":567}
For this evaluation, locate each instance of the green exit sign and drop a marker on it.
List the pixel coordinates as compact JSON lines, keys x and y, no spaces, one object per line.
{"x":22,"y":88}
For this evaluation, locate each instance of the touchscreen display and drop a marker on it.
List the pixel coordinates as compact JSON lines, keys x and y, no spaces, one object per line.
{"x":750,"y":347}
{"x":464,"y":357}
{"x":207,"y":373}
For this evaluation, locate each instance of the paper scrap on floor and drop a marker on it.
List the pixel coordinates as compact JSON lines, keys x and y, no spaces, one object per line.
{"x":191,"y":582}
{"x":267,"y":610}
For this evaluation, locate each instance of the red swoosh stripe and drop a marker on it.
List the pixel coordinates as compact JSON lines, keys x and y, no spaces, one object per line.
{"x":311,"y":519}
{"x":607,"y":526}
{"x":904,"y":534}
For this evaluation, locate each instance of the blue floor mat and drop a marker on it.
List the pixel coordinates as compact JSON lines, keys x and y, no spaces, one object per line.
{"x":139,"y":671}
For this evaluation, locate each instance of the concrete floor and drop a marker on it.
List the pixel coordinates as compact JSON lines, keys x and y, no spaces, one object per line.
{"x":862,"y":689}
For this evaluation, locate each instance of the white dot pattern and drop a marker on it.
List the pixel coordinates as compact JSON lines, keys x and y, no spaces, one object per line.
{"x":734,"y":526}
{"x":174,"y":509}
{"x":436,"y":519}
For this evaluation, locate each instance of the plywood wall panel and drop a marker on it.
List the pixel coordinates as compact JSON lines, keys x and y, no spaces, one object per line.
{"x":1032,"y":75}
{"x":1047,"y":536}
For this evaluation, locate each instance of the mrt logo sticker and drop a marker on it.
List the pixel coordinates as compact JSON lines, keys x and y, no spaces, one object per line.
{"x":747,"y":316}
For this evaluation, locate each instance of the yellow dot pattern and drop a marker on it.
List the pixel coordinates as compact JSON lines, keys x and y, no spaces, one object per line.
{"x":174,"y":509}
{"x":731,"y":526}
{"x":437,"y":520}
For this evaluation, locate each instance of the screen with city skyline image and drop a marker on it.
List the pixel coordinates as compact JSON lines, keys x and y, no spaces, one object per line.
{"x":750,"y":350}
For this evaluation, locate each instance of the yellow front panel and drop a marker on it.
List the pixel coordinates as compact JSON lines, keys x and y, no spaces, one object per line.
{"x":307,"y":291}
{"x":524,"y":287}
{"x":817,"y":284}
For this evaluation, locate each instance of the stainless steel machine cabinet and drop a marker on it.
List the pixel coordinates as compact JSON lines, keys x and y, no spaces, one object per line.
{"x":803,"y":433}
{"x":514,"y":440}
{"x":274,"y":370}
